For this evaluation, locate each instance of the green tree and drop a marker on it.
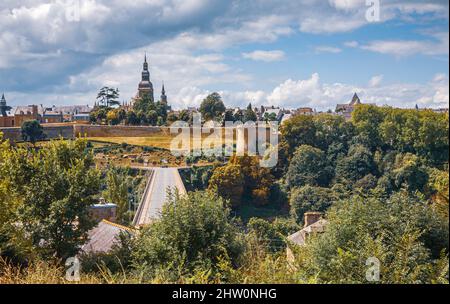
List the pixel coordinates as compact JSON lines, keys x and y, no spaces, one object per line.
{"x":132,"y":118}
{"x":358,"y":163}
{"x":298,"y":130}
{"x":308,"y":167}
{"x":310,"y":198}
{"x":108,"y":96}
{"x":272,"y":234}
{"x":152,"y":117}
{"x":57,"y":185}
{"x":228,"y":181}
{"x":194,"y":231}
{"x":117,"y":192}
{"x":212,"y":107}
{"x":32,"y":131}
{"x":249,"y":114}
{"x":403,"y":233}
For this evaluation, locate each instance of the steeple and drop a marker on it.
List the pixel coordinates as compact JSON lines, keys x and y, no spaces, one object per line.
{"x":355,"y":100}
{"x":163,"y":95}
{"x":145,"y":86}
{"x":3,"y":107}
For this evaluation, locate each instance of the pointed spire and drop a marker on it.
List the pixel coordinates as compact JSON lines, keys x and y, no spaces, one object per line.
{"x":145,"y":57}
{"x":163,"y":89}
{"x":355,"y":100}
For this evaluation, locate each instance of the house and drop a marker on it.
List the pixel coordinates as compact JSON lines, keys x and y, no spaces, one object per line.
{"x":69,"y":112}
{"x":26,"y":113}
{"x":305,"y":111}
{"x":313,"y":224}
{"x":51,"y":116}
{"x":272,"y":111}
{"x":347,"y":109}
{"x":103,"y":237}
{"x":6,"y":114}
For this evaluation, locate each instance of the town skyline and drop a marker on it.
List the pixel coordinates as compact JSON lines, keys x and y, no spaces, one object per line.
{"x":268,"y":57}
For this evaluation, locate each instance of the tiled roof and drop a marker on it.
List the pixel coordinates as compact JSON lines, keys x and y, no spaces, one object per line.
{"x":300,"y":236}
{"x":104,"y":236}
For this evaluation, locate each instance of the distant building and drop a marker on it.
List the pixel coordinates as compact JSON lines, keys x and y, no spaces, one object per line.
{"x":145,"y":88}
{"x":6,"y":114}
{"x":103,"y":211}
{"x":273,"y":111}
{"x":103,"y":237}
{"x":347,"y":109}
{"x":68,"y":112}
{"x":313,"y":223}
{"x":305,"y":111}
{"x":50,"y":115}
{"x":26,"y":113}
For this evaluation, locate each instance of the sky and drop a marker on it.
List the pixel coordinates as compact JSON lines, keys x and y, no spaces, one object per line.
{"x":298,"y":53}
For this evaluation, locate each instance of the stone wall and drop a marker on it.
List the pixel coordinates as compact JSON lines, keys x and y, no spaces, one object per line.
{"x":51,"y":132}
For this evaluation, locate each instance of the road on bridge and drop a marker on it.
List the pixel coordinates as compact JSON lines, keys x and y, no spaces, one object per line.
{"x":155,"y":194}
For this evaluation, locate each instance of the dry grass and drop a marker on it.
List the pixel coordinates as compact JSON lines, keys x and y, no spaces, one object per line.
{"x":40,"y":273}
{"x":159,"y":141}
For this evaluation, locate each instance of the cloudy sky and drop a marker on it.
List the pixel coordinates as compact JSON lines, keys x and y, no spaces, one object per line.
{"x":289,"y":53}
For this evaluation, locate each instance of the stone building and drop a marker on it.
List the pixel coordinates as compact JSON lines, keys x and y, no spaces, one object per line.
{"x":313,"y":224}
{"x":145,"y":88}
{"x":347,"y":109}
{"x":26,"y":113}
{"x":6,"y":114}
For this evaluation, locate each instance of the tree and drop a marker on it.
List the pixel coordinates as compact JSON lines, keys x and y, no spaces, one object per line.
{"x":194,"y":231}
{"x":229,"y":116}
{"x":228,"y":181}
{"x":272,"y":234}
{"x":357,"y":164}
{"x":367,"y":119}
{"x":132,"y":118}
{"x":108,"y":96}
{"x":409,"y":172}
{"x":298,"y":130}
{"x":310,"y":198}
{"x":212,"y":107}
{"x":117,"y":192}
{"x":152,"y":117}
{"x":249,"y":114}
{"x":57,"y":186}
{"x":270,"y":117}
{"x":113,"y":117}
{"x":98,"y":115}
{"x":308,"y":167}
{"x":257,"y":180}
{"x":402,"y":232}
{"x":32,"y":131}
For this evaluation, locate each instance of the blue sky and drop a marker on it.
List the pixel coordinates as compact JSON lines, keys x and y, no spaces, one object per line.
{"x":288,"y":53}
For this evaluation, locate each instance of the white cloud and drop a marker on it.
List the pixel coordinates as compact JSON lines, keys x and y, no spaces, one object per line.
{"x":328,"y":49}
{"x":351,"y":44}
{"x":375,"y":80}
{"x":438,"y":46}
{"x":266,"y":56}
{"x":347,"y":4}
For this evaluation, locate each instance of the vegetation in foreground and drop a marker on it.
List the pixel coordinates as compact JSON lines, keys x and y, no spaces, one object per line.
{"x":381,"y":180}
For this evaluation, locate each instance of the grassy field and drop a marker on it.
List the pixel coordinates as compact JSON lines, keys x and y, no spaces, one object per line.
{"x":158,"y":141}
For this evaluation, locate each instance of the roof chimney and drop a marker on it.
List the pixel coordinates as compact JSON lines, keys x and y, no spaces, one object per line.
{"x":311,"y":217}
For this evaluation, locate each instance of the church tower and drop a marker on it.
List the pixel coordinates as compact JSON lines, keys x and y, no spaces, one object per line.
{"x":3,"y":107}
{"x":163,"y":95}
{"x":145,"y":87}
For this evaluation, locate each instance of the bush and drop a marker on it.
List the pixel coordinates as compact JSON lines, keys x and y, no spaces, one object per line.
{"x":194,"y":231}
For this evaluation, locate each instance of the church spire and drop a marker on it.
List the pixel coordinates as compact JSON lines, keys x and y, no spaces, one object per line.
{"x":163,"y":95}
